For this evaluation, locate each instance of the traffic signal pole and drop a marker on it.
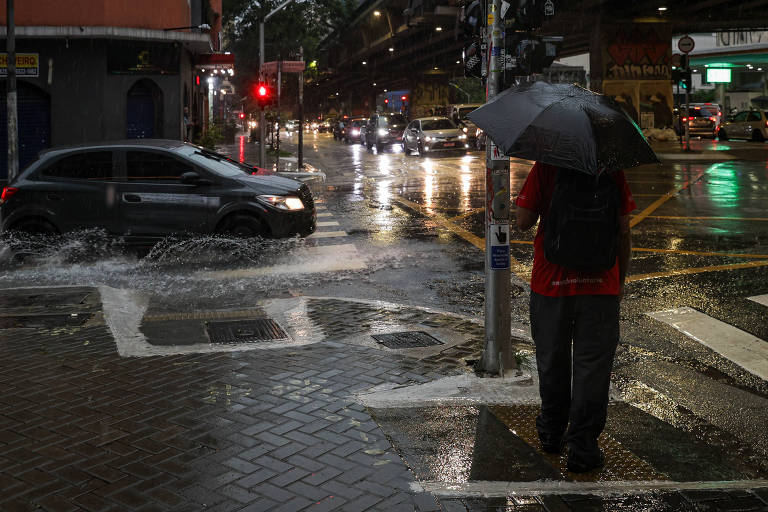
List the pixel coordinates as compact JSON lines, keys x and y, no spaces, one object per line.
{"x":497,"y":355}
{"x":262,"y":122}
{"x":11,"y":98}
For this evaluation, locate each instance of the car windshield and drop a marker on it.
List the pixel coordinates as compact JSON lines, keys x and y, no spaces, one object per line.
{"x":391,"y":120}
{"x":464,"y":112}
{"x":437,"y":124}
{"x":217,"y":163}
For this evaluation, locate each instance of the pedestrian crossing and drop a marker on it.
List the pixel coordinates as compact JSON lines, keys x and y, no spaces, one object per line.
{"x":327,"y":251}
{"x":737,"y":345}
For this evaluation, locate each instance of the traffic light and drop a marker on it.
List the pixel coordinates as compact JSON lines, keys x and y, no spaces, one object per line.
{"x":242,"y":115}
{"x":264,"y":94}
{"x":526,"y":54}
{"x":473,"y":20}
{"x":529,"y":14}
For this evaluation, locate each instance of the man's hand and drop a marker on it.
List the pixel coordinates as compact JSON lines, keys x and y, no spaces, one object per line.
{"x":526,"y":218}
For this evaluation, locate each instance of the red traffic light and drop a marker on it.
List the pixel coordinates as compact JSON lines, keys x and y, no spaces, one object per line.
{"x":386,"y":100}
{"x":242,"y":115}
{"x":403,"y":98}
{"x":264,"y":94}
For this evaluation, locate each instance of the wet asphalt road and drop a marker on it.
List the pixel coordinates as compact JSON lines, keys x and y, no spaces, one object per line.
{"x":408,"y":230}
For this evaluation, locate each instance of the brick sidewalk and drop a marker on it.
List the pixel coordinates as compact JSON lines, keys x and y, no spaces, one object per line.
{"x":84,"y":429}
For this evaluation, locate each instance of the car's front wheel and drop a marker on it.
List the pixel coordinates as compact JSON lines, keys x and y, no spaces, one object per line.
{"x":243,"y":226}
{"x":36,"y":226}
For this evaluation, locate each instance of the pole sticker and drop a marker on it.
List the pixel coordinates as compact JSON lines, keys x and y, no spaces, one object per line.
{"x":496,"y":153}
{"x":499,"y":234}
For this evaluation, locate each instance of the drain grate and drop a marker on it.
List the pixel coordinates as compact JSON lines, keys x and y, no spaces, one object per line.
{"x":245,"y":331}
{"x":407,"y":339}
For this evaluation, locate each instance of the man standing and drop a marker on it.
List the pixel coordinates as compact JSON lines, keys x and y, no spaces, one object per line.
{"x":575,"y":327}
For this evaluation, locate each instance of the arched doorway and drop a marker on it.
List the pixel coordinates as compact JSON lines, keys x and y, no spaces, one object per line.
{"x":144,"y":111}
{"x":33,"y":108}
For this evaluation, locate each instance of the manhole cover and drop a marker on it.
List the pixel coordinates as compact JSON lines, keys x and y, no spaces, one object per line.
{"x":245,"y":331}
{"x":407,"y":339}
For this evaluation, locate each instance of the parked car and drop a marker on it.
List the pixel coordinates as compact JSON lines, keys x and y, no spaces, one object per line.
{"x":459,"y":115}
{"x":145,"y":189}
{"x":383,"y":129}
{"x":748,"y":124}
{"x":353,"y":130}
{"x":433,"y":134}
{"x":700,"y":121}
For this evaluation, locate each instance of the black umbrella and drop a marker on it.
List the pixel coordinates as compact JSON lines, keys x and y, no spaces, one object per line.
{"x":564,"y":125}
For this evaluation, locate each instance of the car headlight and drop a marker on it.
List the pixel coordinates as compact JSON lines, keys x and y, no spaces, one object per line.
{"x":463,"y":136}
{"x":465,"y":129}
{"x":382,"y":132}
{"x":283,"y":202}
{"x":427,"y":138}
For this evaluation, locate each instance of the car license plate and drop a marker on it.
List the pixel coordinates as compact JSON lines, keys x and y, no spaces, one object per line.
{"x":399,"y":138}
{"x":449,"y":144}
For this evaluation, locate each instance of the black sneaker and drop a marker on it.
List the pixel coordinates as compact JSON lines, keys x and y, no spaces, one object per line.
{"x":578,"y":466}
{"x":551,"y":444}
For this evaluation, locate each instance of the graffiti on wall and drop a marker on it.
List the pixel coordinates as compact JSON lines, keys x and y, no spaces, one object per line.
{"x":648,"y":103}
{"x":637,"y":52}
{"x":740,"y":38}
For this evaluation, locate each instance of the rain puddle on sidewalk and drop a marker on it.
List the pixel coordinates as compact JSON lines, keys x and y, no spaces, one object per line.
{"x":451,"y":449}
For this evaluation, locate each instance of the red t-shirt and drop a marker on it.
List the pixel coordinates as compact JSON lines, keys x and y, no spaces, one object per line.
{"x":555,"y":280}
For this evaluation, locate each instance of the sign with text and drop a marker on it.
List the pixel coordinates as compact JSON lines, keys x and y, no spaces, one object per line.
{"x":638,"y":51}
{"x":27,"y":64}
{"x":499,"y":234}
{"x":289,"y":66}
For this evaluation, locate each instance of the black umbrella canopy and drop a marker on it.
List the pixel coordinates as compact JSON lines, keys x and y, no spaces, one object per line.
{"x":564,"y":125}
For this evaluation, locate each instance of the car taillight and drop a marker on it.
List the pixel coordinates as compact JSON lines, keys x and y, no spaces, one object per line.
{"x":685,"y":119}
{"x":8,"y":193}
{"x":712,"y":118}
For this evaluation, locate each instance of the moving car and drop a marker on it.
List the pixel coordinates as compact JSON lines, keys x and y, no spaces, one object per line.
{"x":352,"y":132}
{"x":292,"y":125}
{"x":384,"y":128}
{"x":749,"y":124}
{"x":459,"y":115}
{"x":145,"y":189}
{"x":433,"y":134}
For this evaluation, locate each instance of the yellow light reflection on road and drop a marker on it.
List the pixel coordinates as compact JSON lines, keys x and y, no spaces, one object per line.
{"x":385,"y":164}
{"x":466,"y":183}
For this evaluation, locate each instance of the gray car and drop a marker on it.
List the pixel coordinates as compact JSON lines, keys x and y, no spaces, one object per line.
{"x":433,"y":134}
{"x":143,"y":190}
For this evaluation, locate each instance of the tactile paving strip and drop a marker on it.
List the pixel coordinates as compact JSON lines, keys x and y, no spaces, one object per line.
{"x":620,"y":463}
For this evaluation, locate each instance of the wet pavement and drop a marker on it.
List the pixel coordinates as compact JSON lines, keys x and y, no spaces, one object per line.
{"x":122,"y":393}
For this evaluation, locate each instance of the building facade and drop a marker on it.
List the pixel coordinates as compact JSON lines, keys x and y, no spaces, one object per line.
{"x":107,"y":69}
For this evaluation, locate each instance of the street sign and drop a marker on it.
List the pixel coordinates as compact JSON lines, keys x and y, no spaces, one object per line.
{"x":685,"y":44}
{"x":289,"y":66}
{"x":676,"y":60}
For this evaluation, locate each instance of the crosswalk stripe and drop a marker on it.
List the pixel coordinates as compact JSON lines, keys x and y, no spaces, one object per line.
{"x":744,"y":349}
{"x":327,"y":223}
{"x":325,"y":214}
{"x":328,"y":258}
{"x":760,"y":299}
{"x":327,"y":234}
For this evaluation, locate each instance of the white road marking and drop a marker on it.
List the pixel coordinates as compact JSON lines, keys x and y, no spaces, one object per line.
{"x":327,"y":223}
{"x":744,"y":349}
{"x":328,"y":258}
{"x":760,"y":299}
{"x":325,"y":214}
{"x":327,"y":234}
{"x":503,"y":489}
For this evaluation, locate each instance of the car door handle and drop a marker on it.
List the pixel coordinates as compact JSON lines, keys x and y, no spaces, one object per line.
{"x":131,"y":198}
{"x":54,"y":197}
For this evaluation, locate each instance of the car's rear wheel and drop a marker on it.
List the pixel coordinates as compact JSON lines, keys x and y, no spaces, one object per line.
{"x":722,"y":134}
{"x":757,"y":136}
{"x":243,"y":226}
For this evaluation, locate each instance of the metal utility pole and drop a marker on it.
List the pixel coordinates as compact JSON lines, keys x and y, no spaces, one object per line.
{"x":497,"y":356}
{"x":13,"y":126}
{"x":262,"y":122}
{"x":301,"y":111}
{"x":279,"y":83}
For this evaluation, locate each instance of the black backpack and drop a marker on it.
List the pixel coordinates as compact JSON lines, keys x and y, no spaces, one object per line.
{"x":581,"y":230}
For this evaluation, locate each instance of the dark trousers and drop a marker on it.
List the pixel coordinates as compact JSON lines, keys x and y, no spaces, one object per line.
{"x":576,"y":339}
